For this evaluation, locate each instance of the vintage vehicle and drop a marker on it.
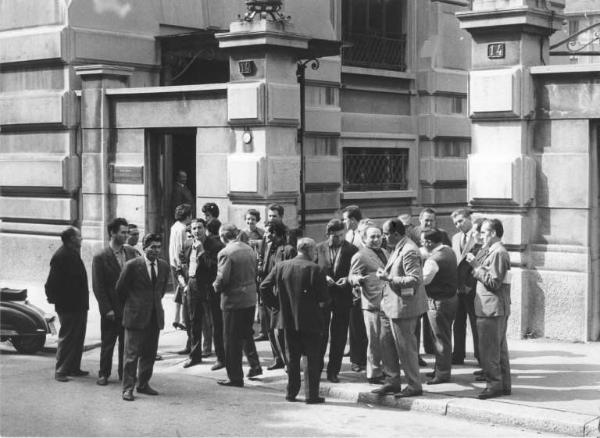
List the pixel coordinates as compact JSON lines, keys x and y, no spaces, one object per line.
{"x":22,"y":323}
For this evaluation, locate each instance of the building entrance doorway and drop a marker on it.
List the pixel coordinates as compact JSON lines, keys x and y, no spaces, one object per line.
{"x":167,"y":153}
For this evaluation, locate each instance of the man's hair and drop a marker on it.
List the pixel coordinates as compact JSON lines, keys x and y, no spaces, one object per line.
{"x":464,"y":212}
{"x":253,"y":212}
{"x":396,"y":226}
{"x":67,"y":234}
{"x":496,"y":225}
{"x":353,"y":212}
{"x":278,"y":208}
{"x":114,"y":225}
{"x":149,"y":238}
{"x":364,"y":225}
{"x":478,"y":222}
{"x":434,"y":235}
{"x":228,"y":231}
{"x":131,"y":227}
{"x":199,"y":220}
{"x":213,"y":226}
{"x":334,"y":225}
{"x":211,"y":208}
{"x":278,"y":228}
{"x":405,"y":218}
{"x":426,"y":210}
{"x":304,"y":244}
{"x":183,"y":211}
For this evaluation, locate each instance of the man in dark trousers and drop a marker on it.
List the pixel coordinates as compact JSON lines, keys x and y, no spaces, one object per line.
{"x":236,"y":283}
{"x":440,"y":280}
{"x":141,"y":286}
{"x":334,"y":256}
{"x":299,"y":289}
{"x":181,"y":193}
{"x":106,"y":268}
{"x":67,"y":289}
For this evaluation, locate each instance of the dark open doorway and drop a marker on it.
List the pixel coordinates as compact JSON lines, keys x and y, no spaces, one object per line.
{"x":167,"y":152}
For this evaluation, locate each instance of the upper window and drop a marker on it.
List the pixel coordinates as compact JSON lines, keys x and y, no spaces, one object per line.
{"x":374,"y":33}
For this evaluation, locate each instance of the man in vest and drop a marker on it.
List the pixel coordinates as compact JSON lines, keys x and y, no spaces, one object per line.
{"x":440,"y":279}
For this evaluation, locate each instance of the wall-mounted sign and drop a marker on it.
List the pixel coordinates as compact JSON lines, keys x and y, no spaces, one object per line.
{"x":126,"y":174}
{"x":247,"y":67}
{"x":496,"y":50}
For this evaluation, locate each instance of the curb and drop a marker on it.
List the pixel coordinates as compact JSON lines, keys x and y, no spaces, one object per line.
{"x":507,"y":414}
{"x":87,"y":347}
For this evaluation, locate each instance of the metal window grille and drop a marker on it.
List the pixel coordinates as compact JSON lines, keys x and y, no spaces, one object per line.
{"x":374,"y":51}
{"x":375,"y":169}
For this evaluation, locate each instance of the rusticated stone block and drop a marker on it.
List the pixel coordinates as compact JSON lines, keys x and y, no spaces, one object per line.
{"x":38,"y":208}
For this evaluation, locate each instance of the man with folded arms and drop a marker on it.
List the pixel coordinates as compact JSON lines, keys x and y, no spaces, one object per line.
{"x":141,"y":286}
{"x":299,"y":289}
{"x":403,"y":302}
{"x":440,"y":280}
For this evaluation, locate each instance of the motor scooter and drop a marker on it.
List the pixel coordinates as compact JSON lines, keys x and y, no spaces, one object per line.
{"x":22,"y":323}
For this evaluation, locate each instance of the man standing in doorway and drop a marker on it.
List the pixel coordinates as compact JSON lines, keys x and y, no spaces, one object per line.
{"x":106,"y":268}
{"x":141,"y":286}
{"x":67,"y":289}
{"x":181,"y":193}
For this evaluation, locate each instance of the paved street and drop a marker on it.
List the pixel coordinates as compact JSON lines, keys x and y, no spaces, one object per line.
{"x":33,"y":404}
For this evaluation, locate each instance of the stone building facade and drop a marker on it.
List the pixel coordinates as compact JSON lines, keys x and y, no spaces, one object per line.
{"x":102,"y":101}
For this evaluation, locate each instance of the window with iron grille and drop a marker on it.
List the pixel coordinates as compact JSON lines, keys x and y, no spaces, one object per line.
{"x":375,"y":169}
{"x":374,"y":31}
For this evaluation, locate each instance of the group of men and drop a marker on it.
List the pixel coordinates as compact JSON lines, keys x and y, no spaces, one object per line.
{"x":373,"y":283}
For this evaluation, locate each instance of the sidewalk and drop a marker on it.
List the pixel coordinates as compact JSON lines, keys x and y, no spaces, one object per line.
{"x":556,"y":385}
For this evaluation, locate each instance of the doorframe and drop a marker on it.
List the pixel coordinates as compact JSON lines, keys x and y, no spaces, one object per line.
{"x":594,"y":235}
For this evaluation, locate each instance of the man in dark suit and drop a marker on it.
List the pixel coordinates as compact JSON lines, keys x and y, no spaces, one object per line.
{"x":181,"y":193}
{"x":236,"y":283}
{"x":141,"y":286}
{"x":334,"y":256}
{"x":299,"y":289}
{"x":106,"y":268}
{"x":463,"y":243}
{"x":492,"y":307}
{"x":67,"y":289}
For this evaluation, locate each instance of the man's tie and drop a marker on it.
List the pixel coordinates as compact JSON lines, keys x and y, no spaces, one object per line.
{"x":463,"y":242}
{"x":153,"y":272}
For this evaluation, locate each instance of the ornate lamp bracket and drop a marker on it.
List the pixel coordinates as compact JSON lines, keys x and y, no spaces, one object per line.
{"x":264,"y":9}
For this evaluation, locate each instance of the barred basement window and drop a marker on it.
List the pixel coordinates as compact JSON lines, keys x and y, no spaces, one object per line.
{"x":375,"y":169}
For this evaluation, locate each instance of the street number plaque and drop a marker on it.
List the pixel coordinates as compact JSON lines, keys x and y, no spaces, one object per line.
{"x":496,"y":50}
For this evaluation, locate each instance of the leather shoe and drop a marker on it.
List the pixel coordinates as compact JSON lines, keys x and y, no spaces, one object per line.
{"x":158,"y":357}
{"x":376,"y":380}
{"x":217,"y":366}
{"x":261,"y":338}
{"x":386,"y":389}
{"x":178,"y":325}
{"x":61,"y":378}
{"x":231,"y":383}
{"x":191,"y":362}
{"x":357,"y":368}
{"x":506,"y":392}
{"x":253,"y":372}
{"x":206,"y":354}
{"x":79,"y":373}
{"x":437,"y":381}
{"x":184,"y":351}
{"x":478,"y":373}
{"x":314,"y":401}
{"x":102,"y":381}
{"x":486,"y":393}
{"x":277,"y":365}
{"x":422,"y":362}
{"x":333,"y":378}
{"x":291,"y":398}
{"x":480,"y":378}
{"x":147,"y":389}
{"x":431,"y":374}
{"x":407,"y":392}
{"x":128,"y":395}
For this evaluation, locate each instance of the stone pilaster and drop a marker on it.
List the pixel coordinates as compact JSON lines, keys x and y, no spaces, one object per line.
{"x":95,"y":138}
{"x":509,"y":37}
